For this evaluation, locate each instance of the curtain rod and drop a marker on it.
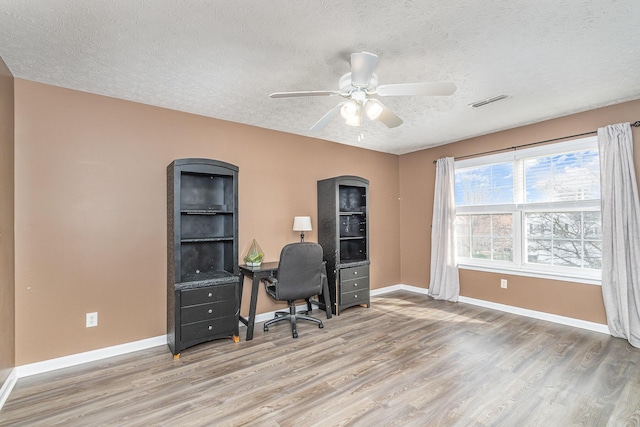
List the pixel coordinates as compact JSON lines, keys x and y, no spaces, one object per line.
{"x":634,"y":124}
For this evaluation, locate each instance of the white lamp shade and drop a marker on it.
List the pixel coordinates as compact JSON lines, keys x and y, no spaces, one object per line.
{"x":353,"y":121}
{"x":349,"y":109}
{"x":351,"y":113}
{"x":302,"y":223}
{"x":373,"y":108}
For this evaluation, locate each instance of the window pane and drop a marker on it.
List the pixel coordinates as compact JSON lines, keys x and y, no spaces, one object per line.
{"x":485,"y":236}
{"x":564,"y":177}
{"x":484,"y":185}
{"x":481,"y":247}
{"x":538,"y":225}
{"x":593,"y":254}
{"x":568,"y":239}
{"x":481,"y":236}
{"x":503,"y":249}
{"x":567,"y":225}
{"x":567,"y":253}
{"x":463,"y":235}
{"x":592,"y":225}
{"x":480,"y":225}
{"x":539,"y":251}
{"x":502,"y":225}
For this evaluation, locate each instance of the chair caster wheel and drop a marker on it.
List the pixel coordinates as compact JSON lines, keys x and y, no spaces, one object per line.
{"x":266,"y":329}
{"x":320,"y":326}
{"x":295,"y":335}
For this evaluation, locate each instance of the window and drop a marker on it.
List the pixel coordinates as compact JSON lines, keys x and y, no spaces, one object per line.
{"x":532,"y":211}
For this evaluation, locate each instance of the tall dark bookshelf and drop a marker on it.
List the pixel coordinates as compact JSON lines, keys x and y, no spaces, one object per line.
{"x":202,"y":252}
{"x":343,"y":233}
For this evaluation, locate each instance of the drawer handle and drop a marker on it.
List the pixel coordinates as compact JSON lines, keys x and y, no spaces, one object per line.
{"x":210,"y":311}
{"x":355,"y":273}
{"x":355,"y":285}
{"x":210,"y":295}
{"x":210,"y":327}
{"x":355,"y":296}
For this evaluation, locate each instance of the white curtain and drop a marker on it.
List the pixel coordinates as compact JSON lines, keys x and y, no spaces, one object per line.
{"x":620,"y":232}
{"x":444,"y":283}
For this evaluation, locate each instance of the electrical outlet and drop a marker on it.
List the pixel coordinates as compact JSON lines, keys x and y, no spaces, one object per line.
{"x":503,"y":283}
{"x":92,"y":319}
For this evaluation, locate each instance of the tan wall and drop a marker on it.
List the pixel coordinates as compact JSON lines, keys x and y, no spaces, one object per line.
{"x":417,"y":179}
{"x":91,"y":210}
{"x":7,"y":310}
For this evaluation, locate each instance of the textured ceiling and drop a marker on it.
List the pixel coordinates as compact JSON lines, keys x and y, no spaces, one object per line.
{"x":223,"y":58}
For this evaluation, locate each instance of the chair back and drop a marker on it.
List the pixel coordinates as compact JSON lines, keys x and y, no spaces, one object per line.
{"x":299,"y":271}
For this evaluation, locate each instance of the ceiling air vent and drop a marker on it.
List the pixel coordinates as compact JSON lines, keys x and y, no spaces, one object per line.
{"x":487,"y":101}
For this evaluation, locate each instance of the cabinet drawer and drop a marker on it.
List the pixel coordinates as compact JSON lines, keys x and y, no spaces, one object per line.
{"x":214,"y":310}
{"x":354,"y":272}
{"x":198,"y":330}
{"x":359,"y":297}
{"x":361,"y":284}
{"x":207,"y":294}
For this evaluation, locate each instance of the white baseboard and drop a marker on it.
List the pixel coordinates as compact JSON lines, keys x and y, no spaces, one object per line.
{"x":399,"y":287}
{"x":103,"y":353}
{"x":89,"y":356}
{"x":540,"y":315}
{"x":7,"y":387}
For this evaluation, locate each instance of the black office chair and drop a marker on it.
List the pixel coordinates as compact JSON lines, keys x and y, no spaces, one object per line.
{"x":301,"y":275}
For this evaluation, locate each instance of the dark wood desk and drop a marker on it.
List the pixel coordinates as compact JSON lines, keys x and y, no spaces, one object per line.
{"x":256,"y":274}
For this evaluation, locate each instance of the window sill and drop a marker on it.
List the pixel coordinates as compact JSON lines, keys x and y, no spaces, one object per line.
{"x":532,"y":273}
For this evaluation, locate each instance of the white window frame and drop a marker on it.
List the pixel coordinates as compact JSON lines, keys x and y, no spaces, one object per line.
{"x":519,"y":266}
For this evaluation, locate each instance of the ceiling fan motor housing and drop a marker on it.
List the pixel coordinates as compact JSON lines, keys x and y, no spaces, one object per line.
{"x":345,"y":84}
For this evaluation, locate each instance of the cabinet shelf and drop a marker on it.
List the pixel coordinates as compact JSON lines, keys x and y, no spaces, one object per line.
{"x":205,"y":212}
{"x":353,"y":238}
{"x":207,"y":240}
{"x":190,"y":280}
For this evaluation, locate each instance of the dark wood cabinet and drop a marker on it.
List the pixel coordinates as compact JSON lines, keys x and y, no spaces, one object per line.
{"x":203,"y":284}
{"x":343,"y":233}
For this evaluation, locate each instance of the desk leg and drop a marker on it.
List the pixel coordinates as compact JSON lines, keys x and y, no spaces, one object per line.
{"x":252,"y":307}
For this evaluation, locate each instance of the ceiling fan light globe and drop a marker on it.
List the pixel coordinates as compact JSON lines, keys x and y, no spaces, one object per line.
{"x":353,"y":121}
{"x":349,"y":110}
{"x":373,"y":109}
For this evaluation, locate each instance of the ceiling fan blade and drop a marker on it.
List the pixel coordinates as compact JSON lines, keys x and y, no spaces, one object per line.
{"x":304,"y":93}
{"x":362,"y":66}
{"x":411,"y":89}
{"x":331,"y":114}
{"x":388,"y":117}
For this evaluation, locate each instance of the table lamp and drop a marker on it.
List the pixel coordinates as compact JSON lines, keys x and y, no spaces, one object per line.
{"x":302,"y":224}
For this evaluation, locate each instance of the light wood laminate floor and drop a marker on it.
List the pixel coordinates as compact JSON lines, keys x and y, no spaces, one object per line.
{"x":406,"y":361}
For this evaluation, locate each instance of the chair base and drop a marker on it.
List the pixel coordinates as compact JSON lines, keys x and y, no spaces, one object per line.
{"x":292,"y":316}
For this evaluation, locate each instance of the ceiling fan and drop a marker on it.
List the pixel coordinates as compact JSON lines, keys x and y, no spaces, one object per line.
{"x":359,"y":87}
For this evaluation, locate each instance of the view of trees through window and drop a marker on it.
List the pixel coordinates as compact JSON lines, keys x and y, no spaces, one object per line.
{"x":542,"y":210}
{"x":485,"y":236}
{"x":569,"y":239}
